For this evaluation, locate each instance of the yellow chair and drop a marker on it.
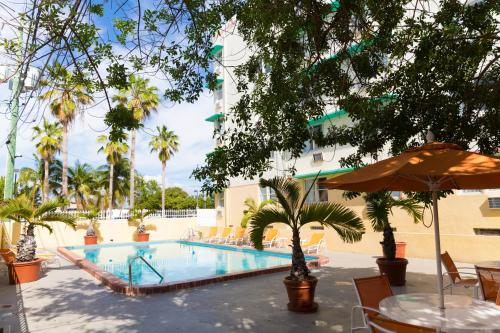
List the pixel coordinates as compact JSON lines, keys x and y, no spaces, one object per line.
{"x":314,"y":243}
{"x":212,"y":234}
{"x":224,"y":235}
{"x":238,"y":236}
{"x":270,"y":237}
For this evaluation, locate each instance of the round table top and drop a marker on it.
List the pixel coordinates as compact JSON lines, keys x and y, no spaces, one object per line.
{"x":489,"y":264}
{"x":461,"y":312}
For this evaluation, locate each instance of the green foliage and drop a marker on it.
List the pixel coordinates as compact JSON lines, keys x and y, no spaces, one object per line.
{"x":379,"y":206}
{"x":24,"y":210}
{"x":397,"y":68}
{"x":120,"y":119}
{"x":251,"y":209}
{"x":296,"y":213}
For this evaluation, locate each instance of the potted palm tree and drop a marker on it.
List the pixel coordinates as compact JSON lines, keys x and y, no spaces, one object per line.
{"x":379,"y":206}
{"x":296,"y":213}
{"x":91,"y":215}
{"x":26,"y":267}
{"x":137,"y":220}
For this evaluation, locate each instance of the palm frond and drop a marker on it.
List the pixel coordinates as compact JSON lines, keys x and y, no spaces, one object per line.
{"x":43,"y":225}
{"x":287,"y":192}
{"x":16,"y":208}
{"x":59,"y":217}
{"x":47,"y":207}
{"x":412,"y":207}
{"x":262,"y":219}
{"x":334,"y":215}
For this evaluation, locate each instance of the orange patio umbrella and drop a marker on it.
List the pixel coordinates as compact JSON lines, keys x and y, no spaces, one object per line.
{"x":432,"y":167}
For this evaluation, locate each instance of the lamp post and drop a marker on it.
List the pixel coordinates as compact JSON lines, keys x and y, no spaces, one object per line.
{"x":196,"y":191}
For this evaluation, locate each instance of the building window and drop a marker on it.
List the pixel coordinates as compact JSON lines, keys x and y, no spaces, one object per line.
{"x":218,"y":94}
{"x":220,"y":200}
{"x":318,"y":193}
{"x":310,"y":144}
{"x":322,"y":191}
{"x":486,"y":232}
{"x":267,"y":193}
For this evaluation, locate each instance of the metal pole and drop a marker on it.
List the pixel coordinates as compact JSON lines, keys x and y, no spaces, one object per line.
{"x":438,"y":249}
{"x":14,"y":114}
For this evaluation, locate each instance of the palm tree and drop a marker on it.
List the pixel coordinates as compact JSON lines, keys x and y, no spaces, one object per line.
{"x":49,"y":143}
{"x":296,"y":213}
{"x":66,"y":95}
{"x":142,"y":100}
{"x":165,"y":143}
{"x":379,"y":206}
{"x":114,"y":150}
{"x":82,"y":184}
{"x":31,"y":180}
{"x":252,"y":208}
{"x":121,"y":183}
{"x":24,"y":210}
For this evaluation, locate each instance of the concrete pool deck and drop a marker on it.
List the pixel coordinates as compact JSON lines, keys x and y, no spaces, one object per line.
{"x":68,"y":299}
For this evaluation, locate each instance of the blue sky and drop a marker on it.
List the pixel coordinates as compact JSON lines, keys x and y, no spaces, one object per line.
{"x":186,"y":120}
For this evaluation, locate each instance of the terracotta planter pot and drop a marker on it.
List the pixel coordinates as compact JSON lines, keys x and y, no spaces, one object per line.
{"x":400,"y":249}
{"x":301,"y":294}
{"x":90,"y":240}
{"x":143,"y":237}
{"x":395,"y":269}
{"x":23,"y":272}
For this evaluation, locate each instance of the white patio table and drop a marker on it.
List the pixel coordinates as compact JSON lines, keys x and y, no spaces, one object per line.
{"x":461,"y":313}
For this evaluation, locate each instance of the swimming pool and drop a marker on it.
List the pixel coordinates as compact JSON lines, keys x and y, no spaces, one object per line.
{"x":178,"y":262}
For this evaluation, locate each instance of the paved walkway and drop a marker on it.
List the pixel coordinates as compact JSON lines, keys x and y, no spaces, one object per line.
{"x":68,"y":299}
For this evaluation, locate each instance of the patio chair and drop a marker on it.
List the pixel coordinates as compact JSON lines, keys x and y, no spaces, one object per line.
{"x":270,"y":237}
{"x":224,"y":235}
{"x":489,"y":281}
{"x":238,"y":236}
{"x":315,"y":243}
{"x":382,"y":324}
{"x":455,"y":276}
{"x":370,"y":291}
{"x":498,"y":298}
{"x":212,"y":234}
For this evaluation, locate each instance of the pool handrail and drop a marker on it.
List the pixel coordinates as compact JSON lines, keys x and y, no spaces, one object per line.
{"x":147,"y":263}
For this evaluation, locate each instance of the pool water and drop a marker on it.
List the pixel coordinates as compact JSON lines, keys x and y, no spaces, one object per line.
{"x":177,"y":260}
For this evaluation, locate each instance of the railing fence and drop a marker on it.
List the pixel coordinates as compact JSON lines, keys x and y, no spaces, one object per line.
{"x":119,"y":214}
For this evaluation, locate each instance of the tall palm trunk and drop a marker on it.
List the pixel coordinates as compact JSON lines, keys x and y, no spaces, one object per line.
{"x":64,"y":151}
{"x":163,"y":168}
{"x":110,"y":197}
{"x":45,"y":195}
{"x":299,"y":266}
{"x":132,"y":169}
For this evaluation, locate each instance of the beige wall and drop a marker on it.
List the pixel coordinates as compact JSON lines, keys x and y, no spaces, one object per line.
{"x":114,"y":231}
{"x":459,"y":215}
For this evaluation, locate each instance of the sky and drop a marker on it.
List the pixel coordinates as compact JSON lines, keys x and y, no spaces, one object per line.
{"x":186,"y":120}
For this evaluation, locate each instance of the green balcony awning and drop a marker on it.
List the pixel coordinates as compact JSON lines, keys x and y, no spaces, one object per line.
{"x":323,"y":173}
{"x":215,"y":49}
{"x":335,"y":5}
{"x":215,"y":117}
{"x":326,"y":117}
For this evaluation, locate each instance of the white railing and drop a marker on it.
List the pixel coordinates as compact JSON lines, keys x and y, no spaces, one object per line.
{"x":121,"y":214}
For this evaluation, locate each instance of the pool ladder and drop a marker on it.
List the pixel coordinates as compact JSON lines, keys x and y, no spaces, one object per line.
{"x":147,"y":263}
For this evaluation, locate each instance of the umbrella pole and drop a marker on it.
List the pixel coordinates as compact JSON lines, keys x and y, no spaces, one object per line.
{"x":438,"y":249}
